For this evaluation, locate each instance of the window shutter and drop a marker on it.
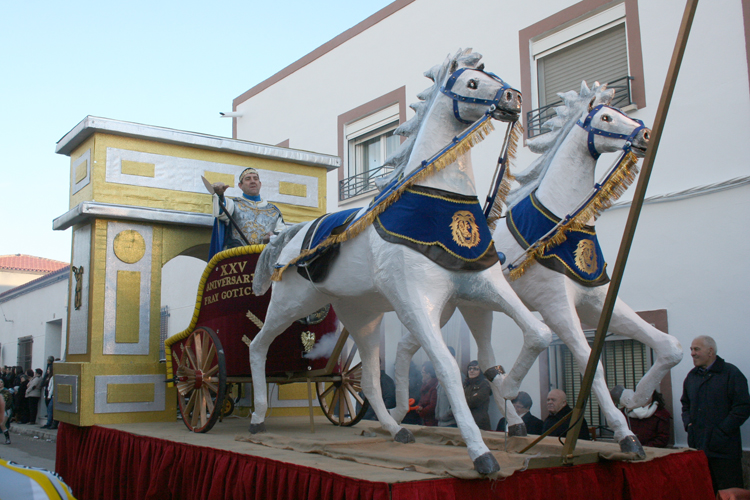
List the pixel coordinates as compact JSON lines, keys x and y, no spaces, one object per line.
{"x":602,"y":57}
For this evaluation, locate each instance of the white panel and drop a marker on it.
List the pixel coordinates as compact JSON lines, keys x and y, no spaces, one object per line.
{"x":110,"y":291}
{"x":77,"y":186}
{"x":182,"y":174}
{"x":100,"y":393}
{"x":79,"y":319}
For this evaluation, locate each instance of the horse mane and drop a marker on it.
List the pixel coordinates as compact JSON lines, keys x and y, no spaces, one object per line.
{"x":409,"y":129}
{"x":573,"y":106}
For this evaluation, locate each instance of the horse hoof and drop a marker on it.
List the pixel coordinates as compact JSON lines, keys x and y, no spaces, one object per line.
{"x":493,"y":371}
{"x":616,"y":393}
{"x":257,"y":428}
{"x":404,"y":436}
{"x":517,"y":430}
{"x":630,"y":444}
{"x":486,"y":464}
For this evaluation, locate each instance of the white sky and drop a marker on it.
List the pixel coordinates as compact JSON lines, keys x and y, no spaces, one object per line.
{"x":170,"y":64}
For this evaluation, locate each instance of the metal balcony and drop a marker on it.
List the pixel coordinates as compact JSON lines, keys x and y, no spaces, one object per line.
{"x":536,"y":117}
{"x":361,"y":183}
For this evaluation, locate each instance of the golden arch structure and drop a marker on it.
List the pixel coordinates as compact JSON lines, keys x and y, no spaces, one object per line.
{"x":136,"y":202}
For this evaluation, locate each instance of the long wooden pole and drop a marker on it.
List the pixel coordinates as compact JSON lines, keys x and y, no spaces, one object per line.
{"x":627,"y":238}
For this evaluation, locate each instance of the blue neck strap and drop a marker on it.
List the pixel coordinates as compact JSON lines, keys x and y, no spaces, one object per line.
{"x":586,"y":125}
{"x":251,"y":198}
{"x":447,"y":89}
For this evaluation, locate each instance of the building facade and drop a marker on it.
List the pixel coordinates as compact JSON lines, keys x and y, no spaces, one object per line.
{"x":357,"y":88}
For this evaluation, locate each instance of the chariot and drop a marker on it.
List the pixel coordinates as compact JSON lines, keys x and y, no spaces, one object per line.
{"x":204,"y":360}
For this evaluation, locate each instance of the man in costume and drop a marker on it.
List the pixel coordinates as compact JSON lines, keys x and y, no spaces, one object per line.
{"x":557,"y":404}
{"x":715,"y":403}
{"x":257,"y":218}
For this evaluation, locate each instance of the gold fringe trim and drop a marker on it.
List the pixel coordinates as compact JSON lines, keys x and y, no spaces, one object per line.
{"x":609,"y":192}
{"x":447,"y":158}
{"x":496,"y":212}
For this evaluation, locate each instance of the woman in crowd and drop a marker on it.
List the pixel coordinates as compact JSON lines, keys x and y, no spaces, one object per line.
{"x":19,"y":398}
{"x":428,"y":395}
{"x":34,"y":393}
{"x":650,"y":423}
{"x":477,"y":390}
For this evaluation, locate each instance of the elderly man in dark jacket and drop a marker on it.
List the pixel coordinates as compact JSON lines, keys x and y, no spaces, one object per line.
{"x":715,"y":403}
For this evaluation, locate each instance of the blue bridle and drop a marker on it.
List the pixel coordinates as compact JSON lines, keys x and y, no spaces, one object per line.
{"x":447,"y":90}
{"x":586,"y":125}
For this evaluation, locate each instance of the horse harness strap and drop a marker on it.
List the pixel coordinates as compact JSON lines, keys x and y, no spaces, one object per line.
{"x":586,"y":125}
{"x":448,"y":90}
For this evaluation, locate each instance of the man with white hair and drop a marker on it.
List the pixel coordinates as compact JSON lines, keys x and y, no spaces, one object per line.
{"x":715,"y":403}
{"x":257,"y":218}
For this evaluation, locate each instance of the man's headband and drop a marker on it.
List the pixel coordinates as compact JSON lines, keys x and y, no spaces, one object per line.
{"x":249,"y":170}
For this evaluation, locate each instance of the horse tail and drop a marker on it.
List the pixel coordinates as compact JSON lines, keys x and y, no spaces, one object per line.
{"x":268,"y":258}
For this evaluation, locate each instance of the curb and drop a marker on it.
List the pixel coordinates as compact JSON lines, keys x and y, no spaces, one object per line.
{"x":34,"y":431}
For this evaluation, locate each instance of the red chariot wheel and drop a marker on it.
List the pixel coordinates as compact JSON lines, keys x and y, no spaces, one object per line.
{"x":201,"y":379}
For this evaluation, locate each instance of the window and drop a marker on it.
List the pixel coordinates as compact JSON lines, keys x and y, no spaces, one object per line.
{"x":591,"y":41}
{"x":370,"y":141}
{"x":24,"y":352}
{"x":625,"y":362}
{"x":366,"y":140}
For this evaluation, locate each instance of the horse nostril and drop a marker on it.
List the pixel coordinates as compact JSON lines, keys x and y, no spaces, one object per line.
{"x":508,"y":96}
{"x":647,"y":136}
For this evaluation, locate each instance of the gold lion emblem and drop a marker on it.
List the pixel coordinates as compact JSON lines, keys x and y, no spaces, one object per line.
{"x":585,"y":255}
{"x":465,"y":229}
{"x":308,"y":340}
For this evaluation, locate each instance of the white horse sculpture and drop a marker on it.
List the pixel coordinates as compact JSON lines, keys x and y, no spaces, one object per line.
{"x":559,"y":181}
{"x":371,"y":276}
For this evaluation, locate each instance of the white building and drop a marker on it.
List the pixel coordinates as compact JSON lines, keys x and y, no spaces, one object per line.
{"x":346,"y":96}
{"x":34,"y":321}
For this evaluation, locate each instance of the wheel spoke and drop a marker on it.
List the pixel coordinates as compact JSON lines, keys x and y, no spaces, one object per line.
{"x":190,"y":406}
{"x":194,"y":416}
{"x":209,"y":400}
{"x":203,"y":408}
{"x":211,"y":385}
{"x":210,"y":373}
{"x":349,"y":406}
{"x":342,"y":404}
{"x":354,"y":394}
{"x":199,"y":341}
{"x":334,"y":401}
{"x":349,"y":359}
{"x":209,"y":357}
{"x":327,"y":391}
{"x":191,"y":357}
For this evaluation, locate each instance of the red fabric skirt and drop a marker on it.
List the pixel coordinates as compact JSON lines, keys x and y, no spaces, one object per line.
{"x":101,"y":463}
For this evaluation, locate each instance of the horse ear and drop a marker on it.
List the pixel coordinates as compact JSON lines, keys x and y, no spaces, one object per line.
{"x":454,"y":67}
{"x":591,"y":103}
{"x":480,"y":67}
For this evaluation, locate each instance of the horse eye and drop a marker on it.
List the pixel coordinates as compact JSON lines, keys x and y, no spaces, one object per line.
{"x":606,"y":118}
{"x":472,"y":84}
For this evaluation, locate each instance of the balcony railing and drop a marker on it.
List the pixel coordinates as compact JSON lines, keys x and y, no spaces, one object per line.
{"x":362,"y":183}
{"x":536,"y":117}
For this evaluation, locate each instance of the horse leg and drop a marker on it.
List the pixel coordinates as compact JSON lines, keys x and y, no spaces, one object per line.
{"x":479,"y":322}
{"x":282,"y":311}
{"x":418,"y":309}
{"x":499,"y":296}
{"x":363,"y":328}
{"x":405,"y":351}
{"x":566,"y":323}
{"x":667,"y":348}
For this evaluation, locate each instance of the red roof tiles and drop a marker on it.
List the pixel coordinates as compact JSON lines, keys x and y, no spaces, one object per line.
{"x":30,"y":263}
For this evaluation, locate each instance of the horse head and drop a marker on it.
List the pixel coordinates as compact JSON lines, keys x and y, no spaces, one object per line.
{"x":474,"y":90}
{"x":610,"y":130}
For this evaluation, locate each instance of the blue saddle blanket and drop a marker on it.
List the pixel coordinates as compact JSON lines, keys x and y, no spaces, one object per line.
{"x":579,"y":257}
{"x":448,"y":228}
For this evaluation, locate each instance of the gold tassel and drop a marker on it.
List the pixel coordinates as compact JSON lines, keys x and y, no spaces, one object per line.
{"x":438,"y":164}
{"x":502,"y":192}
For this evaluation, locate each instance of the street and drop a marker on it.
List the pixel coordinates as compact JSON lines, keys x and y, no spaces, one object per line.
{"x":26,"y":450}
